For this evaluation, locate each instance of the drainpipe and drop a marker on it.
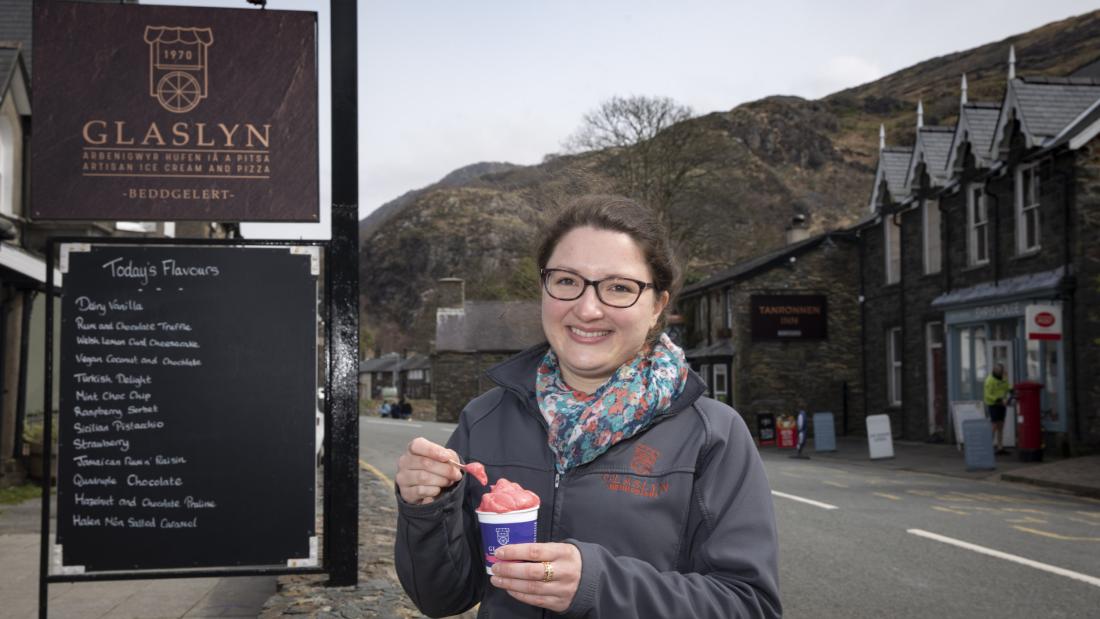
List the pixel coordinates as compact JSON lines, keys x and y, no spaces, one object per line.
{"x":896,"y":218}
{"x":21,"y":395}
{"x":862,"y":326}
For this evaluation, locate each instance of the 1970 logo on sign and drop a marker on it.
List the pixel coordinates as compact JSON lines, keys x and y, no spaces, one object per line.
{"x":177,"y":66}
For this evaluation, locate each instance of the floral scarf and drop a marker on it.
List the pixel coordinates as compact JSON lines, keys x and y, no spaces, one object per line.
{"x":586,"y":425}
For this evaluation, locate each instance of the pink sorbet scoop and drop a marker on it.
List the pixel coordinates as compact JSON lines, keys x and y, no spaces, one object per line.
{"x":477,"y":469}
{"x":506,"y":496}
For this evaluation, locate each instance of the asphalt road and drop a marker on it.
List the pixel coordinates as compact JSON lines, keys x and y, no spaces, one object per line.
{"x":857,"y":540}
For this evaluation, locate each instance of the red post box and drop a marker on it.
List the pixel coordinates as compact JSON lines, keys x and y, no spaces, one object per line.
{"x":1030,"y":426}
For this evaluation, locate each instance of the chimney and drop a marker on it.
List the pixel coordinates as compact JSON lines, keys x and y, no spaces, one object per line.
{"x":798,"y":230}
{"x":451,"y":293}
{"x":962,"y":99}
{"x":920,"y":113}
{"x":881,"y":137}
{"x":1011,"y":62}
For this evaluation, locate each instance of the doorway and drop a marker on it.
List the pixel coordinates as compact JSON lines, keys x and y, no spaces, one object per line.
{"x":1001,"y":352}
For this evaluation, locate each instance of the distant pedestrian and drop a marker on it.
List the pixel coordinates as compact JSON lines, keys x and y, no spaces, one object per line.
{"x":404,"y":409}
{"x":997,"y":391}
{"x":386,"y":410}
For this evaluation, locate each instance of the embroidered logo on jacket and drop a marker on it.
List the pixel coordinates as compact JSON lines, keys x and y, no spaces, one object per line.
{"x":644,"y":459}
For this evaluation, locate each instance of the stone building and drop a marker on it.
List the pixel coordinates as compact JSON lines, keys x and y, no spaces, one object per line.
{"x":780,"y":332}
{"x":471,"y":337}
{"x":1005,"y":221}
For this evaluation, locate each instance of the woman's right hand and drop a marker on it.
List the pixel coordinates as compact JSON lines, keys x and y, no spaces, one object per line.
{"x":424,"y":470}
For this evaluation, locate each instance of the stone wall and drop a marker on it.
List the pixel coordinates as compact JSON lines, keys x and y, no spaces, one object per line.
{"x":1084,"y":321}
{"x":459,"y":377}
{"x":881,"y":311}
{"x":785,"y":376}
{"x":917,"y":291}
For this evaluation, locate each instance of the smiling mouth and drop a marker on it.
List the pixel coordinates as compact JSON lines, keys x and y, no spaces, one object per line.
{"x":589,"y":334}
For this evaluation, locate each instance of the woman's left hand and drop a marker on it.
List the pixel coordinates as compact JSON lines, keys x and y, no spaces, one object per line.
{"x":525,"y":580}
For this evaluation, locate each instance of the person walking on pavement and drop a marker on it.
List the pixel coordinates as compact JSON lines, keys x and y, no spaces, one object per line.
{"x":996,"y":392}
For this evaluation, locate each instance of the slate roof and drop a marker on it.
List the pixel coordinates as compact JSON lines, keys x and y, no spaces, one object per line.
{"x":8,"y":58}
{"x":500,"y":326}
{"x":749,"y":267}
{"x":1048,"y":104}
{"x":386,"y":363}
{"x":417,"y":362}
{"x":978,"y":123}
{"x":895,"y":165}
{"x":1038,"y":284}
{"x":15,"y":27}
{"x":934,"y":146}
{"x":721,"y":348}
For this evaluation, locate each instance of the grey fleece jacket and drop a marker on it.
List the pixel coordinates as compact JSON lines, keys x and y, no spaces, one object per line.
{"x":675,"y":521}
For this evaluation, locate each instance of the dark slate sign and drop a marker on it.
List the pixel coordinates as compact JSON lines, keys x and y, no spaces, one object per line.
{"x":824,"y":432}
{"x":170,"y":113}
{"x":788,"y":317}
{"x":187,"y":407}
{"x":978,"y":445}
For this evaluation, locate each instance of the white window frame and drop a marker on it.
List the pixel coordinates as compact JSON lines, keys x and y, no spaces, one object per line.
{"x":933,"y":242}
{"x":976,"y":229}
{"x":891,"y":234}
{"x":1027,"y":208}
{"x":416,"y":374}
{"x":720,"y":369}
{"x":7,"y":167}
{"x":893,"y":365}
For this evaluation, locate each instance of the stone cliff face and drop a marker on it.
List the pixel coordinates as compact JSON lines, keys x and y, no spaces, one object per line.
{"x":768,"y":160}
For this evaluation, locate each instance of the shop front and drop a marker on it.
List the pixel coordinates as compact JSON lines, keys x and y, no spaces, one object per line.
{"x":992,"y":331}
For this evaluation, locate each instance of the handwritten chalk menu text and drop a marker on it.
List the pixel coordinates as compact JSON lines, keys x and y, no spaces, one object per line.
{"x":188,"y":393}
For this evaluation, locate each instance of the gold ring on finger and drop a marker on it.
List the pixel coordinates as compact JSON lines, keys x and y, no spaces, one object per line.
{"x":547,"y":572}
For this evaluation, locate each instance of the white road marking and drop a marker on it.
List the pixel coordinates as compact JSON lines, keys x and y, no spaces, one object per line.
{"x":802,"y":500}
{"x":387,"y":422}
{"x":1053,"y":569}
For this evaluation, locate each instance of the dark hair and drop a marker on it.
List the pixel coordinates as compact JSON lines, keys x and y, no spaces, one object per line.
{"x":619,"y":214}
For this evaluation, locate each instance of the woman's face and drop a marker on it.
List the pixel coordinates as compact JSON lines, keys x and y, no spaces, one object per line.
{"x":592,"y":339}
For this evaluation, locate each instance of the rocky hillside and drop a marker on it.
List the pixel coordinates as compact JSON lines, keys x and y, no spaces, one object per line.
{"x":766,"y":161}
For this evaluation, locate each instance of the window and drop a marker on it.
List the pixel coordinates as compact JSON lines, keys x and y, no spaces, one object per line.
{"x":977,"y":226}
{"x":416,"y":374}
{"x":1027,"y":209}
{"x":729,"y":309}
{"x":891,"y":232}
{"x":933,"y":248}
{"x":721,"y":389}
{"x":893,"y":365}
{"x":973,"y":356}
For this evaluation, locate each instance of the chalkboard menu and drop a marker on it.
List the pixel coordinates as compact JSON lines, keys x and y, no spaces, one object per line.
{"x":188,"y":394}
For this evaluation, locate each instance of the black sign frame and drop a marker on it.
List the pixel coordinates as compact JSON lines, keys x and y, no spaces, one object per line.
{"x":53,"y":245}
{"x":161,"y":134}
{"x":805,"y":317}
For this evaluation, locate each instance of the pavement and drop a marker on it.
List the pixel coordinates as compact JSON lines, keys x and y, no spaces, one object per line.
{"x":379,"y":594}
{"x":1080,"y":476}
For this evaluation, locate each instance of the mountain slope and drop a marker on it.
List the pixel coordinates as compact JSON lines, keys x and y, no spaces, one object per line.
{"x":767,"y":160}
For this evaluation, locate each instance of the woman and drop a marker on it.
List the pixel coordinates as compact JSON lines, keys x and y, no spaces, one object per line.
{"x":654,"y":501}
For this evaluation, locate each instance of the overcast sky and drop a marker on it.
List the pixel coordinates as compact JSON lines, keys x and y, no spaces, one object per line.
{"x":447,"y":83}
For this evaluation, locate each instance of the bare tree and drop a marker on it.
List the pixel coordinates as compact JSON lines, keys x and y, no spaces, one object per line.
{"x":653,"y":155}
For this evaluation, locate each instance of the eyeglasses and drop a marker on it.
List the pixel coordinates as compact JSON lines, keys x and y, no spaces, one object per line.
{"x":620,"y":292}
